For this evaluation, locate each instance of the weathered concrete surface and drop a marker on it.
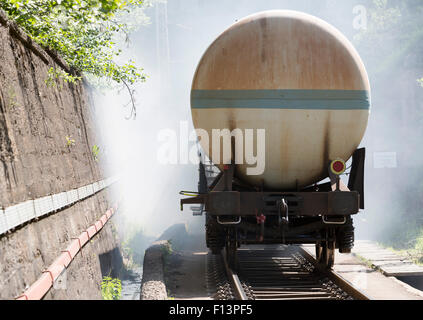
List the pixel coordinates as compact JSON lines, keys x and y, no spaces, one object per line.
{"x":371,"y":282}
{"x":185,"y":275}
{"x":388,"y":262}
{"x":28,"y":251}
{"x":185,"y":267}
{"x":35,"y":119}
{"x":153,"y":286}
{"x":36,"y":160}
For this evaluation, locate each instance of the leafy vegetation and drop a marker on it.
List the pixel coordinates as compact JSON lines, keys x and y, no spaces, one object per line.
{"x":134,"y":244}
{"x":167,"y":250}
{"x":69,"y":141}
{"x":57,"y":73}
{"x":392,"y":46}
{"x":413,"y":253}
{"x":95,"y":151}
{"x":84,"y":33}
{"x":111,"y":289}
{"x":394,"y":36}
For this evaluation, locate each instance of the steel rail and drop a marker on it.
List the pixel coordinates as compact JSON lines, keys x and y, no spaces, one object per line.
{"x":343,"y":283}
{"x":234,"y":279}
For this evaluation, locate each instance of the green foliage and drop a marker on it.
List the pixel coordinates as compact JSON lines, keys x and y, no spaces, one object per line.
{"x":418,"y":248}
{"x":84,"y":33}
{"x":12,"y":97}
{"x":111,"y":289}
{"x":54,"y":74}
{"x":392,"y":45}
{"x":412,"y":248}
{"x":394,"y":36}
{"x":368,"y":263}
{"x":95,"y":151}
{"x":69,"y":141}
{"x":405,"y":237}
{"x":135,"y":243}
{"x":419,"y":243}
{"x":167,"y":250}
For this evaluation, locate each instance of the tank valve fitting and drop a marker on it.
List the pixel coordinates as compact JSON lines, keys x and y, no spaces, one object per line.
{"x":260,"y":220}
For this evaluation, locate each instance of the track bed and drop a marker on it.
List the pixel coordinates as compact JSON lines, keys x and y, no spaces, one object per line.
{"x":278,"y":273}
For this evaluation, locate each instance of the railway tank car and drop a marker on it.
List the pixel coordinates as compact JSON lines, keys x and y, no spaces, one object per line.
{"x":302,"y":81}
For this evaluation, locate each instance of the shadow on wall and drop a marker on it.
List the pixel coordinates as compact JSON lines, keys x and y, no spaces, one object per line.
{"x":181,"y":239}
{"x":111,"y":263}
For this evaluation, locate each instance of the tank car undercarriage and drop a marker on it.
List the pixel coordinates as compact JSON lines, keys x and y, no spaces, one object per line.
{"x":238,"y":214}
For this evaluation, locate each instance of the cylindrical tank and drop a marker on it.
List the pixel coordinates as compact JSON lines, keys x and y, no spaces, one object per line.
{"x":293,"y":75}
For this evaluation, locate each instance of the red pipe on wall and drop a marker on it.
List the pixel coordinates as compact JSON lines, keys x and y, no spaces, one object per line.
{"x":40,"y":287}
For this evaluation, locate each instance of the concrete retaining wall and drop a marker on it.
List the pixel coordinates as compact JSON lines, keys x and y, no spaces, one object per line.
{"x":153,"y":286}
{"x":36,"y":160}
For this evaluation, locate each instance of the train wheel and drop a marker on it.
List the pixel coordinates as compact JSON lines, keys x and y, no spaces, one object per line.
{"x":325,"y":254}
{"x":345,"y":236}
{"x":215,"y":235}
{"x":319,"y":250}
{"x":329,"y":254}
{"x":231,"y":256}
{"x":231,"y":249}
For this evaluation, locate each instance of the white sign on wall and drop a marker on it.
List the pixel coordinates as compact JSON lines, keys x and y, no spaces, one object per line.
{"x":384,"y":160}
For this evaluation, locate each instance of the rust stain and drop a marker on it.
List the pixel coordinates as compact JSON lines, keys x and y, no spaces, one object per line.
{"x":263,"y":25}
{"x":281,"y":52}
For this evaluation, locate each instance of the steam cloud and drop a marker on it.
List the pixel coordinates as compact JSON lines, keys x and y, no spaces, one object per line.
{"x":170,"y":56}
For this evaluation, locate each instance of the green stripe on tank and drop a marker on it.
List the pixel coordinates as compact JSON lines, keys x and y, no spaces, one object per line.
{"x":281,"y":99}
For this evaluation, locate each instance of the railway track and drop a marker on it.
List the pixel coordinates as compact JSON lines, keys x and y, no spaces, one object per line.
{"x":278,"y":273}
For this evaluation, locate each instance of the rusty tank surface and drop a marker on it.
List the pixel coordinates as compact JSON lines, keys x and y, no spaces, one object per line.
{"x":293,"y":75}
{"x":301,"y":80}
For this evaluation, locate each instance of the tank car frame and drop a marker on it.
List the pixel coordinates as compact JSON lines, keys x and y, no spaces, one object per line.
{"x":237,"y":213}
